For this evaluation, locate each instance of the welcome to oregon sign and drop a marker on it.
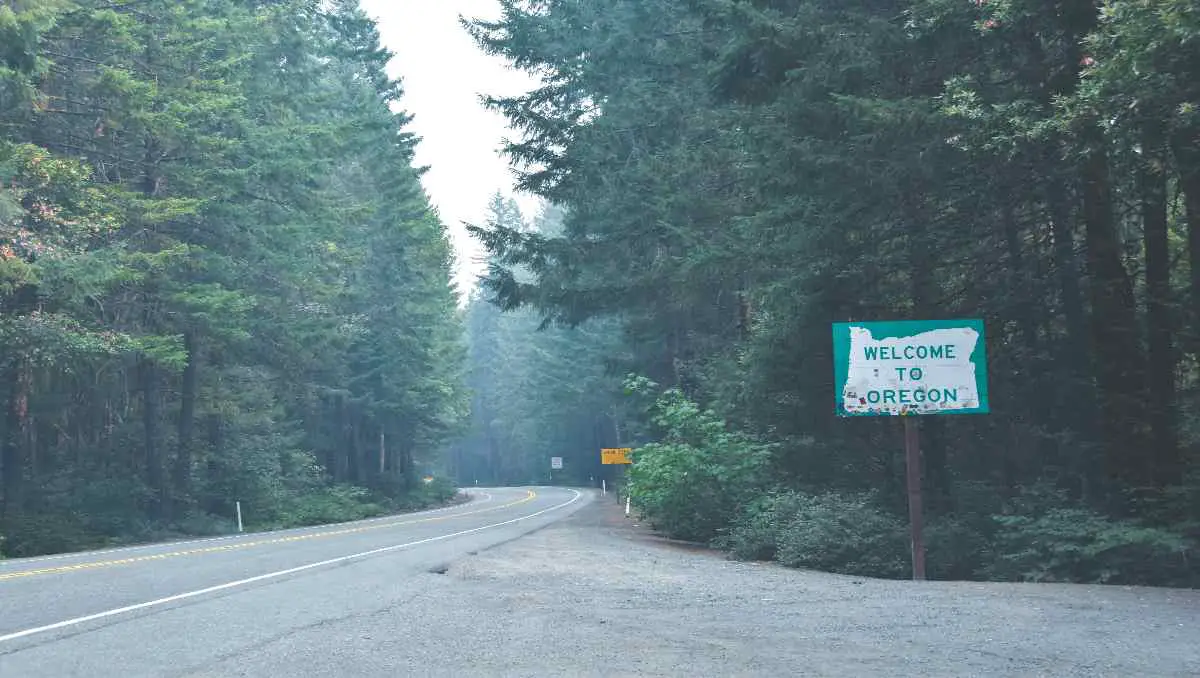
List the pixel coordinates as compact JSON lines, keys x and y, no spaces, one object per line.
{"x":910,"y":367}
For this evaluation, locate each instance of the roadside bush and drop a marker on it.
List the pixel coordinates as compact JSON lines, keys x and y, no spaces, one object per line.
{"x":1079,"y":545}
{"x":692,"y":483}
{"x":286,"y":488}
{"x":200,"y":524}
{"x":957,"y":546}
{"x":396,"y":495}
{"x":960,"y":543}
{"x":340,"y":503}
{"x":434,"y":493}
{"x":72,"y":515}
{"x":755,"y":533}
{"x":844,"y":533}
{"x":32,"y":534}
{"x":1182,"y":505}
{"x":332,"y":504}
{"x":847,"y":534}
{"x":108,"y":505}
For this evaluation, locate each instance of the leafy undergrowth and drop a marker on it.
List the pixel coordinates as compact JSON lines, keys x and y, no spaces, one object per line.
{"x":43,"y":533}
{"x":704,"y":482}
{"x":691,"y":483}
{"x":853,"y":534}
{"x":834,"y":532}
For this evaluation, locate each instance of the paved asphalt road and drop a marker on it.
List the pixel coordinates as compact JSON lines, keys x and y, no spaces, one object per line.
{"x":180,"y":608}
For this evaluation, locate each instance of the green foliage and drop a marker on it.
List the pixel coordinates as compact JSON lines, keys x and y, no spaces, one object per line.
{"x":754,"y":533}
{"x":848,"y":534}
{"x":855,"y":535}
{"x":691,"y":482}
{"x":220,"y":279}
{"x":958,"y":547}
{"x":40,"y":533}
{"x":437,"y":492}
{"x":327,"y":505}
{"x":538,"y":391}
{"x":1042,"y":540}
{"x":735,"y":175}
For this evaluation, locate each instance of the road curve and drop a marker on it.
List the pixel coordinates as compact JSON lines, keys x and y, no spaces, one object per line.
{"x":172,"y":609}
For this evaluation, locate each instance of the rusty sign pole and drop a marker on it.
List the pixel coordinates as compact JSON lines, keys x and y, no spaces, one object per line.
{"x":912,"y":460}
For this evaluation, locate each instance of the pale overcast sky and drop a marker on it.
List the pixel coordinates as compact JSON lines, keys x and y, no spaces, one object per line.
{"x":444,"y":73}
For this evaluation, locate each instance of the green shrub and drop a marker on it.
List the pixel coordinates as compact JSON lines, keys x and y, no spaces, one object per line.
{"x":201,"y":524}
{"x":691,"y":484}
{"x":34,"y":534}
{"x":845,"y":533}
{"x":396,"y":494}
{"x":755,"y":533}
{"x":1182,"y":505}
{"x":1042,"y":536}
{"x":332,"y":504}
{"x":434,"y":493}
{"x":956,"y":547}
{"x":111,"y":505}
{"x":1079,"y":545}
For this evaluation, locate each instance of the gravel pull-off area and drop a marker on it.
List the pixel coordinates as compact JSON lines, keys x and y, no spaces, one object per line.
{"x":595,"y":595}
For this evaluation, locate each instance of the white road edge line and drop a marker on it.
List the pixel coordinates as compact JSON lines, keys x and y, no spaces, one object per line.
{"x":270,"y":575}
{"x":250,"y":536}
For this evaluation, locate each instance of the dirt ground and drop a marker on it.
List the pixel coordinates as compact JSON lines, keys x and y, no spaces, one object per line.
{"x":598,"y":595}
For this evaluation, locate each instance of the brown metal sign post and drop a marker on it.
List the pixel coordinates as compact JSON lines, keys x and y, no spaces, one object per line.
{"x":912,"y":460}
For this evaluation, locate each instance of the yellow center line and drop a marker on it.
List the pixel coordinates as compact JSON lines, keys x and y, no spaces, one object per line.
{"x":530,"y":494}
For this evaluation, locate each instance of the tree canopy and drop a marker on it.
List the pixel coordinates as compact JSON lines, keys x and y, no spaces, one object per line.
{"x":220,"y":279}
{"x":736,"y":175}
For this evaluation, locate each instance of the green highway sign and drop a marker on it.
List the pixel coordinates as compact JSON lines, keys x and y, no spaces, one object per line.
{"x":909,"y":367}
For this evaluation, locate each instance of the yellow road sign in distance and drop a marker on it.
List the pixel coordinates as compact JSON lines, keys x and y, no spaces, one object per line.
{"x":615,"y":455}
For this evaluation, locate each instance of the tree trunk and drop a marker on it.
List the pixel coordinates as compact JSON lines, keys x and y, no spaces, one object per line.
{"x":353,"y":449}
{"x":1066,"y":265}
{"x":187,"y":418}
{"x":153,"y":460}
{"x":1161,"y":359}
{"x":1076,"y":398}
{"x":338,"y":448}
{"x":1190,"y":184}
{"x":382,"y":453}
{"x":495,"y":461}
{"x":1018,"y":280}
{"x":13,"y":456}
{"x":1118,"y":360}
{"x":1033,"y":393}
{"x":321,"y":427}
{"x":407,"y":464}
{"x":363,"y":449}
{"x":216,"y":443}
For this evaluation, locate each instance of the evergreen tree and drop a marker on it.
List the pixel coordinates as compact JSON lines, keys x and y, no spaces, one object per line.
{"x":738,"y":174}
{"x":221,"y":278}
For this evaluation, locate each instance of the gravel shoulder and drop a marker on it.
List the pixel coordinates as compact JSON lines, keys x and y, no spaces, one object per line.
{"x":595,"y":595}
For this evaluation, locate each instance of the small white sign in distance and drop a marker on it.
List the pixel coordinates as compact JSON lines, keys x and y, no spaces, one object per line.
{"x":556,"y":463}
